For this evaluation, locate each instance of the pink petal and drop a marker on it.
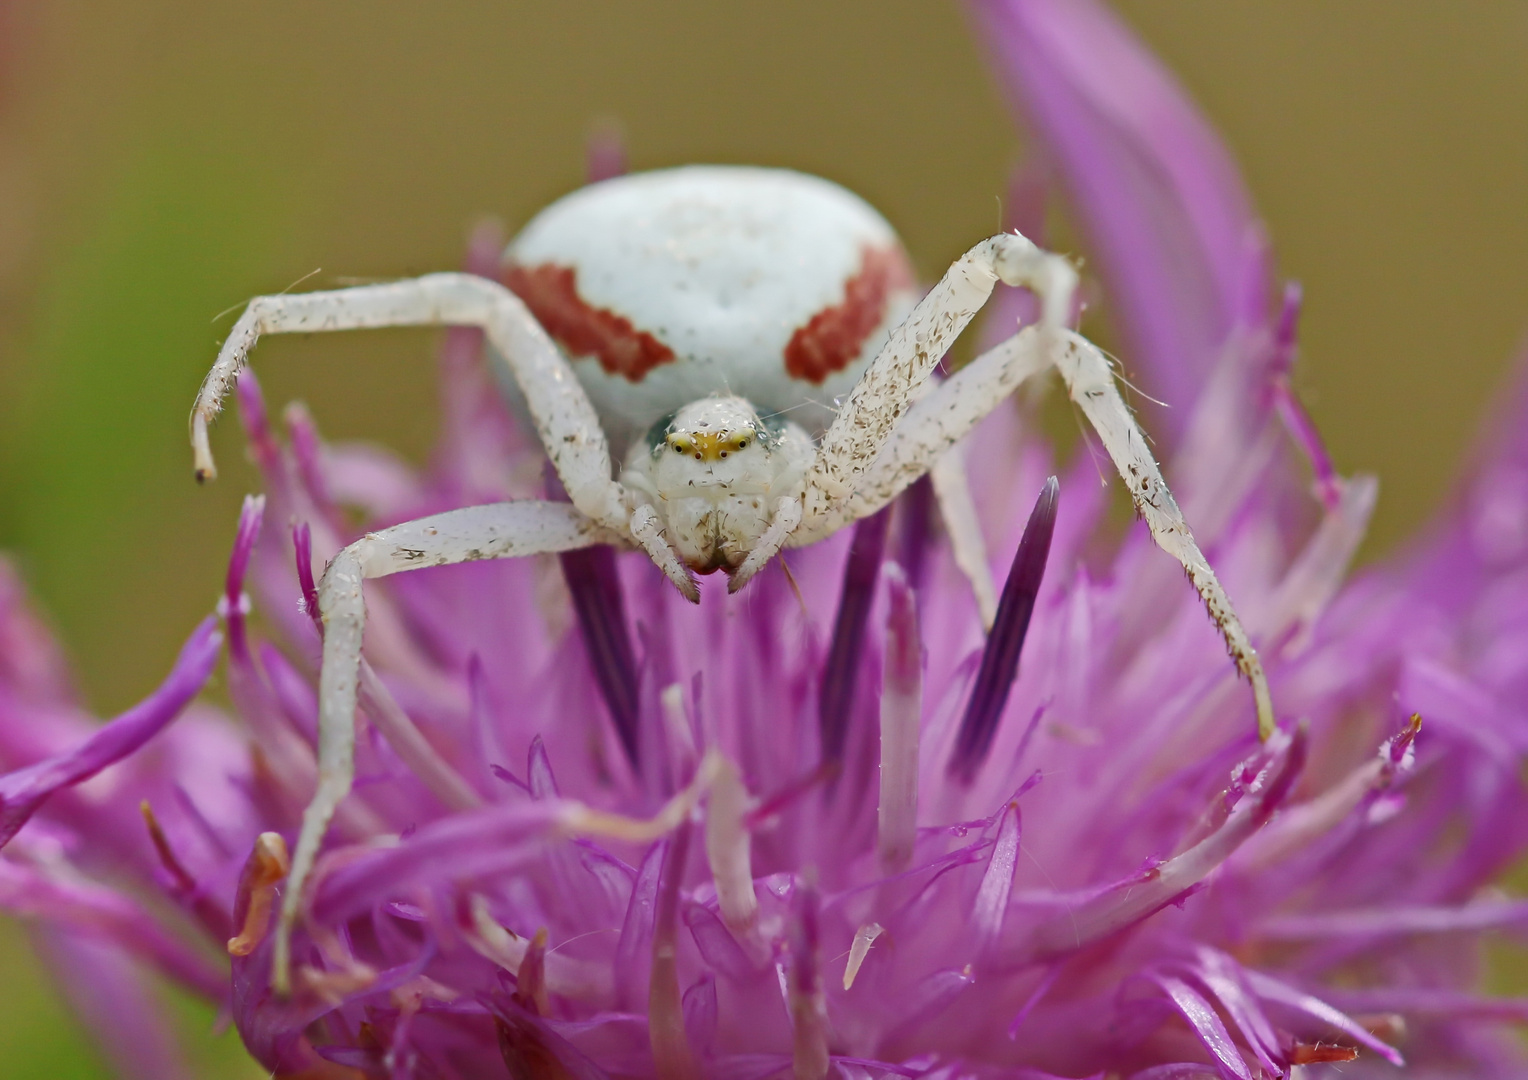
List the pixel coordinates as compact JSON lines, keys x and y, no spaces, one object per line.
{"x":1156,"y":192}
{"x":23,"y":791}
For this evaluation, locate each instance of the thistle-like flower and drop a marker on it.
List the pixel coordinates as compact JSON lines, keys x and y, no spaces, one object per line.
{"x":829,"y":826}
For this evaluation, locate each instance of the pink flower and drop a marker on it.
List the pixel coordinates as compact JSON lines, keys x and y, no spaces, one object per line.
{"x":828,"y":825}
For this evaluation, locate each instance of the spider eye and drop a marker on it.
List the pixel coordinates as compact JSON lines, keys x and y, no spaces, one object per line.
{"x":742,"y":444}
{"x":678,"y":449}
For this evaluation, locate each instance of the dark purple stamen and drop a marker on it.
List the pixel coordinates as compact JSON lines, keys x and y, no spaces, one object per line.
{"x":1000,"y":659}
{"x":595,"y":587}
{"x":596,"y":590}
{"x":839,"y":674}
{"x":915,"y":516}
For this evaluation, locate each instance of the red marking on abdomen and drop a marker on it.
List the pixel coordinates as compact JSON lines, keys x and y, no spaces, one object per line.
{"x":833,"y":338}
{"x":551,"y":292}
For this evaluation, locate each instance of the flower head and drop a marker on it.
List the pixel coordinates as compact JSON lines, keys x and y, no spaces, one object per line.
{"x":829,"y":825}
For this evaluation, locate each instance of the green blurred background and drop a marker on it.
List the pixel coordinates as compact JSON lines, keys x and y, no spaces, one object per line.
{"x":163,"y":160}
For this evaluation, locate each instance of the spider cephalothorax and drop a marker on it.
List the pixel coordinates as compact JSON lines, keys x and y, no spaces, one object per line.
{"x":704,"y":306}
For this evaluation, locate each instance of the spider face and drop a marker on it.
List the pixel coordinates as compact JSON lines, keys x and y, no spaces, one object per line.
{"x":710,"y":445}
{"x":713,"y":470}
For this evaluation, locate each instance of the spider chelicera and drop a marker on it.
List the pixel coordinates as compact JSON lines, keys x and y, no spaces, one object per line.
{"x":704,"y":316}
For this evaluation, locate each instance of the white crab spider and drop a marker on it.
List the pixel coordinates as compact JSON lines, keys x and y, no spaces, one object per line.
{"x":706,"y":315}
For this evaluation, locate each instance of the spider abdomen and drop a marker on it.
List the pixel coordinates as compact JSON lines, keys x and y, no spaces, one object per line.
{"x":665,"y":287}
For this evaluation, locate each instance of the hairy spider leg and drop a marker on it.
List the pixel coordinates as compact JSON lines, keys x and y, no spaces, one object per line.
{"x":883,"y":394}
{"x":933,"y":426}
{"x":565,"y":420}
{"x":1090,"y":381}
{"x":492,"y":531}
{"x":957,"y":509}
{"x":905,"y":362}
{"x":941,"y":418}
{"x":787,"y":515}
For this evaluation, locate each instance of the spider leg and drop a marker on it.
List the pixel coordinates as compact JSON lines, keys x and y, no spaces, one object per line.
{"x":935,"y":423}
{"x":1090,"y":382}
{"x":565,"y":419}
{"x":647,"y":529}
{"x":926,"y":441}
{"x":884,"y":392}
{"x":494,"y":531}
{"x":787,"y":516}
{"x":941,"y":418}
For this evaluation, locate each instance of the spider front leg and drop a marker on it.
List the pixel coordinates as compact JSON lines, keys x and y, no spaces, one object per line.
{"x":883,"y":394}
{"x":787,"y":515}
{"x":494,"y":531}
{"x":946,"y":415}
{"x":1090,"y":383}
{"x":933,"y":425}
{"x":831,"y":492}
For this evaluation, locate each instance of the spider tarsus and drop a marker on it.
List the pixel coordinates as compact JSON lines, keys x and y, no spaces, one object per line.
{"x":201,"y":449}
